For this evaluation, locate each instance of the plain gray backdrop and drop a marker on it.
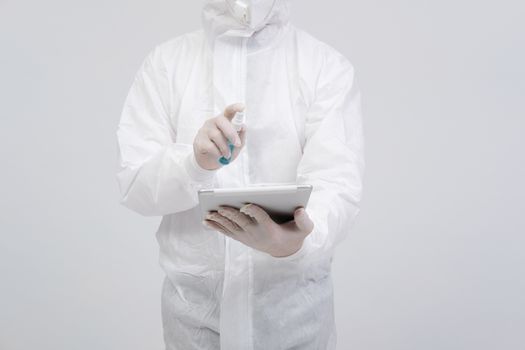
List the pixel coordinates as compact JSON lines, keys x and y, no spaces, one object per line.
{"x":436,"y":260}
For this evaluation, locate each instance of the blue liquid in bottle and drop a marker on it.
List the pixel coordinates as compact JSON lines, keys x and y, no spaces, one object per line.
{"x":224,"y":160}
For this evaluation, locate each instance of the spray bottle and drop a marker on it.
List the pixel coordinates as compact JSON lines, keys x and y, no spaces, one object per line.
{"x":238,"y":122}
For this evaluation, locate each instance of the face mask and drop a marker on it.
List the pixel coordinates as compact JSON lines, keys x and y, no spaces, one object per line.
{"x":251,"y":13}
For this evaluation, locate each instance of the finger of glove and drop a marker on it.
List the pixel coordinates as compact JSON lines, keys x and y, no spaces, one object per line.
{"x":228,"y":130}
{"x":257,"y":213}
{"x":217,"y":137}
{"x":237,"y":150}
{"x":234,"y":215}
{"x":225,"y":222}
{"x":217,"y":227}
{"x":303,"y":221}
{"x":231,"y":110}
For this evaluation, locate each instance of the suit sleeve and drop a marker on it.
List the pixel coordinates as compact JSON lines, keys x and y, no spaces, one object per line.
{"x":333,"y":160}
{"x":157,"y":175}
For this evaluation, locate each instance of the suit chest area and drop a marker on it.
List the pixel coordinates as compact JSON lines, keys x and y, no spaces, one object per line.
{"x":275,"y":113}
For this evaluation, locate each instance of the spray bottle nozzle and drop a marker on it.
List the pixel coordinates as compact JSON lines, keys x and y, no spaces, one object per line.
{"x":238,"y":121}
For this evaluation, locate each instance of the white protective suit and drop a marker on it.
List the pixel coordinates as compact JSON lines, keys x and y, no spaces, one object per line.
{"x":303,"y":126}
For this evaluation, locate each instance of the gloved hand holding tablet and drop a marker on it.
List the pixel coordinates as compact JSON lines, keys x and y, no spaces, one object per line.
{"x":270,"y":219}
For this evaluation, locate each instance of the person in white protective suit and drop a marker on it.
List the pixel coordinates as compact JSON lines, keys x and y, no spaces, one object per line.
{"x":248,"y":282}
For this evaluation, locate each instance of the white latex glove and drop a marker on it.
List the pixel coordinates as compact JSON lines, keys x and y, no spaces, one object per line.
{"x":252,"y":226}
{"x":211,"y":142}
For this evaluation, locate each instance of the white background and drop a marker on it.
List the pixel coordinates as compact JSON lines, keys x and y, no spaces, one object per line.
{"x":437,"y":258}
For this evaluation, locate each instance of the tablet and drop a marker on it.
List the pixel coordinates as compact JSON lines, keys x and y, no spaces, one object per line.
{"x":280,"y":202}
